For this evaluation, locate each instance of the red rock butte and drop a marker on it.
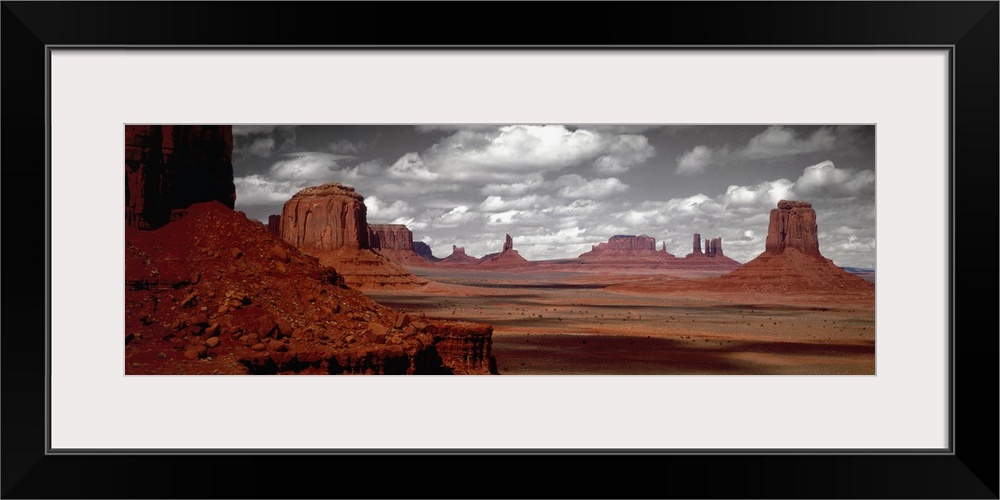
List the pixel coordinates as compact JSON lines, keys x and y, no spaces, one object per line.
{"x":325,"y":218}
{"x":793,"y":225}
{"x":791,"y":261}
{"x":508,"y":258}
{"x":390,"y":236}
{"x":458,"y":257}
{"x":330,"y":222}
{"x":395,"y":242}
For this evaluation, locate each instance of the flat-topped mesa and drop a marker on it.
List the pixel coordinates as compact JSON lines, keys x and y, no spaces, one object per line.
{"x":274,"y":225}
{"x":325,"y":218}
{"x":627,"y":249}
{"x":792,"y":225}
{"x":330,"y":223}
{"x":390,"y":237}
{"x":630,"y":242}
{"x":170,"y":167}
{"x":696,"y":247}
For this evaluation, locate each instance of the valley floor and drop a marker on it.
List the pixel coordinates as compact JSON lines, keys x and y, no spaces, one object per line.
{"x":647,"y":322}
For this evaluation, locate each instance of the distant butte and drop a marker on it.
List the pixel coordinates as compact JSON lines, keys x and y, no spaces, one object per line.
{"x":508,"y":258}
{"x":791,"y":260}
{"x":458,"y":257}
{"x":395,"y":242}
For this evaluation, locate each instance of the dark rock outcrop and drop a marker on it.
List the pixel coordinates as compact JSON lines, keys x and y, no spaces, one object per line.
{"x":713,"y":247}
{"x":424,"y":250}
{"x":170,"y":167}
{"x":274,"y":225}
{"x":696,"y":244}
{"x":508,"y":243}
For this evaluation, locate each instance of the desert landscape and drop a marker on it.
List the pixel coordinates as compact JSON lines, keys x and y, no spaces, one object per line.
{"x":319,"y":289}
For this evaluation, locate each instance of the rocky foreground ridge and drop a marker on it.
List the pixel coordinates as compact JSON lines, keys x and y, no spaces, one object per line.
{"x":208,"y":291}
{"x":213,"y":292}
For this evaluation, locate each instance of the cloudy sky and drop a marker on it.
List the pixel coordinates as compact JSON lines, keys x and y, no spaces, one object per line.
{"x":558,"y":189}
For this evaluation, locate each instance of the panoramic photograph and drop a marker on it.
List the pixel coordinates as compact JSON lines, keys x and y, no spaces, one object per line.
{"x":500,"y":249}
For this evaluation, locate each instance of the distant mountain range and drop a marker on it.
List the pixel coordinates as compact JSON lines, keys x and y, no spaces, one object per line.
{"x":858,"y":270}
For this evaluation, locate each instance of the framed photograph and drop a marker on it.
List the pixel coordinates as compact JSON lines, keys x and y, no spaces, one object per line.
{"x":700,"y":158}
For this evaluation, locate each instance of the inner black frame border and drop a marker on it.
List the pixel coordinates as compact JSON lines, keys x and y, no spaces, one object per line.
{"x":968,"y":469}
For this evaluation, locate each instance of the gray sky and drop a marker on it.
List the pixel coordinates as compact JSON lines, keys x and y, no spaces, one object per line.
{"x":558,"y":189}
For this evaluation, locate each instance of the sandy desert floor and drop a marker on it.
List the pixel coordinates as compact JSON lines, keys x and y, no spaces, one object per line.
{"x":648,"y":322}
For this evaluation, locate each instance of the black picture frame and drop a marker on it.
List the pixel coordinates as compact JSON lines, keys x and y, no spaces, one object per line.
{"x":970,"y":29}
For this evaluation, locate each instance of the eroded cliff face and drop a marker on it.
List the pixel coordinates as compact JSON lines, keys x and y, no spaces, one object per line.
{"x":390,"y":237}
{"x":325,"y":218}
{"x":169,"y":167}
{"x":330,"y":223}
{"x":793,"y":225}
